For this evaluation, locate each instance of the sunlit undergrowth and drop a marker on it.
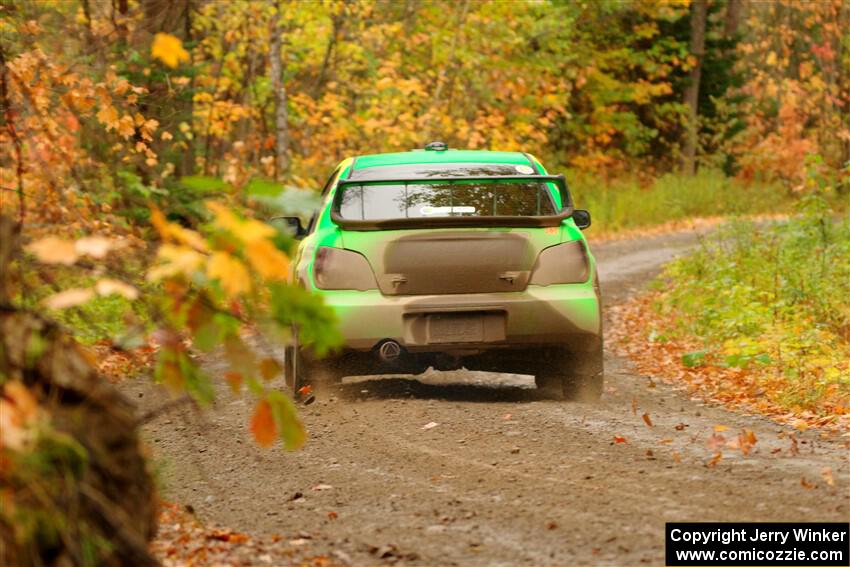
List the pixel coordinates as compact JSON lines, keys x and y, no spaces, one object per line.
{"x":625,"y":204}
{"x":109,"y":317}
{"x":772,"y":302}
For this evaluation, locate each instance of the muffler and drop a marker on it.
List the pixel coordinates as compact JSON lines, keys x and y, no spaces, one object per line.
{"x":390,"y":351}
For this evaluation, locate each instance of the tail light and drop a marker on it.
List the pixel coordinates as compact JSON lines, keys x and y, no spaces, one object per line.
{"x":564,"y":263}
{"x":337,"y":268}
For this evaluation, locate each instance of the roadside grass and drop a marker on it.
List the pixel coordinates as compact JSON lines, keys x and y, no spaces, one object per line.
{"x":99,"y":319}
{"x":759,"y":315}
{"x":624,"y":205}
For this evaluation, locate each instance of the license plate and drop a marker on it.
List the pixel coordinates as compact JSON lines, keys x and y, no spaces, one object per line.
{"x":460,"y":328}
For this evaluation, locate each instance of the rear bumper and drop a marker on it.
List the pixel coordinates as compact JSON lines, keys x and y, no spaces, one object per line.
{"x":539,"y":316}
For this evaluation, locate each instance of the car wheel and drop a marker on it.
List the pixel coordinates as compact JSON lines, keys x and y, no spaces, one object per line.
{"x":304,"y":369}
{"x":577,"y":375}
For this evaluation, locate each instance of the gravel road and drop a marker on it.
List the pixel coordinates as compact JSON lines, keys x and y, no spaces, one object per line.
{"x":506,"y":476}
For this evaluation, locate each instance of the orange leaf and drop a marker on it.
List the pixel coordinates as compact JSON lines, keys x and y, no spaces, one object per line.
{"x":262,"y":424}
{"x":234,"y":379}
{"x":168,"y":49}
{"x":618,"y":439}
{"x":715,"y":442}
{"x":714,"y":460}
{"x":806,"y":484}
{"x":305,"y":390}
{"x":646,"y":420}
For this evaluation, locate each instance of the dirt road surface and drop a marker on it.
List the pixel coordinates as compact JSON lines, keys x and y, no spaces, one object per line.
{"x":507,"y":476}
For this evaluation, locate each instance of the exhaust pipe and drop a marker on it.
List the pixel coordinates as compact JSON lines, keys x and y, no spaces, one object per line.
{"x":389,"y":351}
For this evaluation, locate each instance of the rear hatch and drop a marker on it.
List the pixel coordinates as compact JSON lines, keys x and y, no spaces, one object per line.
{"x":443,"y":261}
{"x":451,"y":235}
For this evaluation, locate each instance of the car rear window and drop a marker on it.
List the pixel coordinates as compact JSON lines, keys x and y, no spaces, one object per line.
{"x":438,"y":170}
{"x":454,"y":199}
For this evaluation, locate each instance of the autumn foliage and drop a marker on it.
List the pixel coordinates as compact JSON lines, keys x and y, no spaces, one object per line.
{"x":142,"y":143}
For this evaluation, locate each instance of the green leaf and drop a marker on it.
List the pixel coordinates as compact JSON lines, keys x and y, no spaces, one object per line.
{"x":694,"y":358}
{"x":264,"y":187}
{"x":204,"y":184}
{"x":291,"y":429}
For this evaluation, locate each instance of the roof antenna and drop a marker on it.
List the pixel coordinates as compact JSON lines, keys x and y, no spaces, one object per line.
{"x":436,"y":147}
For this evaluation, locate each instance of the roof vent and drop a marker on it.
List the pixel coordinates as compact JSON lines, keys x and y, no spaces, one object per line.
{"x":436,"y":147}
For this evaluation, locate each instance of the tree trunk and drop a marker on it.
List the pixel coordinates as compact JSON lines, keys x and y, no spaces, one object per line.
{"x":734,"y":8}
{"x":281,"y":129}
{"x":336,"y":30}
{"x":447,"y":72}
{"x":84,"y":475}
{"x":699,"y":12}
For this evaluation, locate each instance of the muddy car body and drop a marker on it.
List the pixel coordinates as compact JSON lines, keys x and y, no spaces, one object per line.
{"x":450,"y":259}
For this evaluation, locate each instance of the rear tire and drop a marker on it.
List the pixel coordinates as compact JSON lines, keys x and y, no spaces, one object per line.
{"x":576,"y":375}
{"x":303,"y":368}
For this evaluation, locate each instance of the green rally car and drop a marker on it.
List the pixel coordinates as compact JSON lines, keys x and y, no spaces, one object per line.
{"x":452,"y":258}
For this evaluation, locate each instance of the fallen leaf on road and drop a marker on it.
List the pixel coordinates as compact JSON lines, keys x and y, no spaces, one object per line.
{"x":430,"y":425}
{"x":794,"y":449}
{"x":634,"y":406}
{"x":746,"y":440}
{"x":507,"y":416}
{"x":618,"y":439}
{"x":806,"y":484}
{"x":305,"y":390}
{"x":646,"y":420}
{"x":826,"y":473}
{"x":715,"y":442}
{"x":681,"y":427}
{"x":714,"y":460}
{"x":720,"y":428}
{"x":332,"y":515}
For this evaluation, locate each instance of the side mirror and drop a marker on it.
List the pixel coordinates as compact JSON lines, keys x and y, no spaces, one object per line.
{"x":582,"y":218}
{"x":290,"y":225}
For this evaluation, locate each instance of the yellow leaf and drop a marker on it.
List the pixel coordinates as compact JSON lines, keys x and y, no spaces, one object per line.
{"x":719,"y":428}
{"x":53,"y":250}
{"x":168,"y":49}
{"x":270,"y":262}
{"x":126,"y":127}
{"x":230,"y":272}
{"x":107,"y":286}
{"x":108,"y":116}
{"x":69,"y":298}
{"x":175,"y":260}
{"x":172,"y":231}
{"x":246,"y":230}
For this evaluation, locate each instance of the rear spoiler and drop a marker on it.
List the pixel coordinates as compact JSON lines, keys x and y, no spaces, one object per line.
{"x":566,"y":212}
